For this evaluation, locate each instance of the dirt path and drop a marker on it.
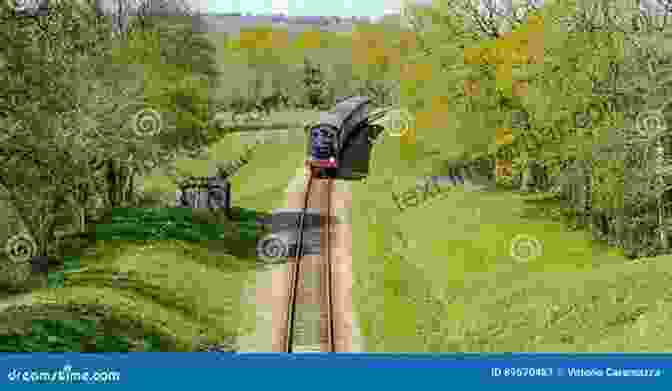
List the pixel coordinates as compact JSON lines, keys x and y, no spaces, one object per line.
{"x":347,"y":334}
{"x":266,"y":292}
{"x":268,"y":296}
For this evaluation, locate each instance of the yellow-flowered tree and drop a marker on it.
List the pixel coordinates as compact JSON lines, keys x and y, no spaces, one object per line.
{"x":519,"y":91}
{"x":517,"y":49}
{"x":379,"y":61}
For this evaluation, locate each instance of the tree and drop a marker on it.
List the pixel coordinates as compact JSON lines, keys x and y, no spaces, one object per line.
{"x":487,"y":73}
{"x":43,"y":56}
{"x":262,"y":57}
{"x":376,"y":54}
{"x":314,"y":84}
{"x":127,"y":15}
{"x":75,"y":106}
{"x":173,"y":94}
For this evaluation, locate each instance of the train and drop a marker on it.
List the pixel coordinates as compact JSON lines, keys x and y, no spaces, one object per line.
{"x":339,"y":144}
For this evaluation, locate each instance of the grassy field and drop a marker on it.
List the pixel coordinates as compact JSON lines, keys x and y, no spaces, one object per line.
{"x":257,"y":185}
{"x":175,"y":291}
{"x":439,"y":277}
{"x":435,"y":278}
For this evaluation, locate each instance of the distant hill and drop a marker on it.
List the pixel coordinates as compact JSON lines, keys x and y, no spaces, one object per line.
{"x":232,"y":24}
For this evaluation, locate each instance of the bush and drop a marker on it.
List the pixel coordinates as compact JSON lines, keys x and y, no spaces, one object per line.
{"x":14,"y":275}
{"x":72,"y":335}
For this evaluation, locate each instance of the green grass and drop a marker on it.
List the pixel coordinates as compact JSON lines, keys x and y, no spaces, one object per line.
{"x":258,"y":185}
{"x":277,"y":120}
{"x":201,"y":286}
{"x":178,"y":224}
{"x":180,"y":289}
{"x":450,"y":283}
{"x":62,"y":335}
{"x":153,"y":318}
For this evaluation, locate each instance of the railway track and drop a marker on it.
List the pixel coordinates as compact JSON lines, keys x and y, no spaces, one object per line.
{"x":309,"y":312}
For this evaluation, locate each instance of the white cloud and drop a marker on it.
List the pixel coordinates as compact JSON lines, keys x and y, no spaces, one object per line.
{"x":395,"y":6}
{"x":280,"y":6}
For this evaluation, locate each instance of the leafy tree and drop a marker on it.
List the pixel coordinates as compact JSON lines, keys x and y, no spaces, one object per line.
{"x":376,"y":58}
{"x":75,"y":102}
{"x":43,"y":56}
{"x":314,"y":84}
{"x":572,"y":82}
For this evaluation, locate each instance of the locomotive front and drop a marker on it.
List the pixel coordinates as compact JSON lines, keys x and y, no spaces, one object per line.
{"x":323,"y":146}
{"x":338,"y":142}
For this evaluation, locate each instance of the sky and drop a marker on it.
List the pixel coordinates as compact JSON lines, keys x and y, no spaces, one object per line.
{"x":303,"y":7}
{"x":372,"y":8}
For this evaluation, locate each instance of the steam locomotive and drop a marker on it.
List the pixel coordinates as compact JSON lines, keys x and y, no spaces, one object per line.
{"x":339,"y":143}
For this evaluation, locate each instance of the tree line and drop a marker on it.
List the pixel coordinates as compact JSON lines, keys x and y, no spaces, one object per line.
{"x":568,"y":97}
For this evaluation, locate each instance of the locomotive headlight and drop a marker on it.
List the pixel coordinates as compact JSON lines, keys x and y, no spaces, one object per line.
{"x":332,"y":160}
